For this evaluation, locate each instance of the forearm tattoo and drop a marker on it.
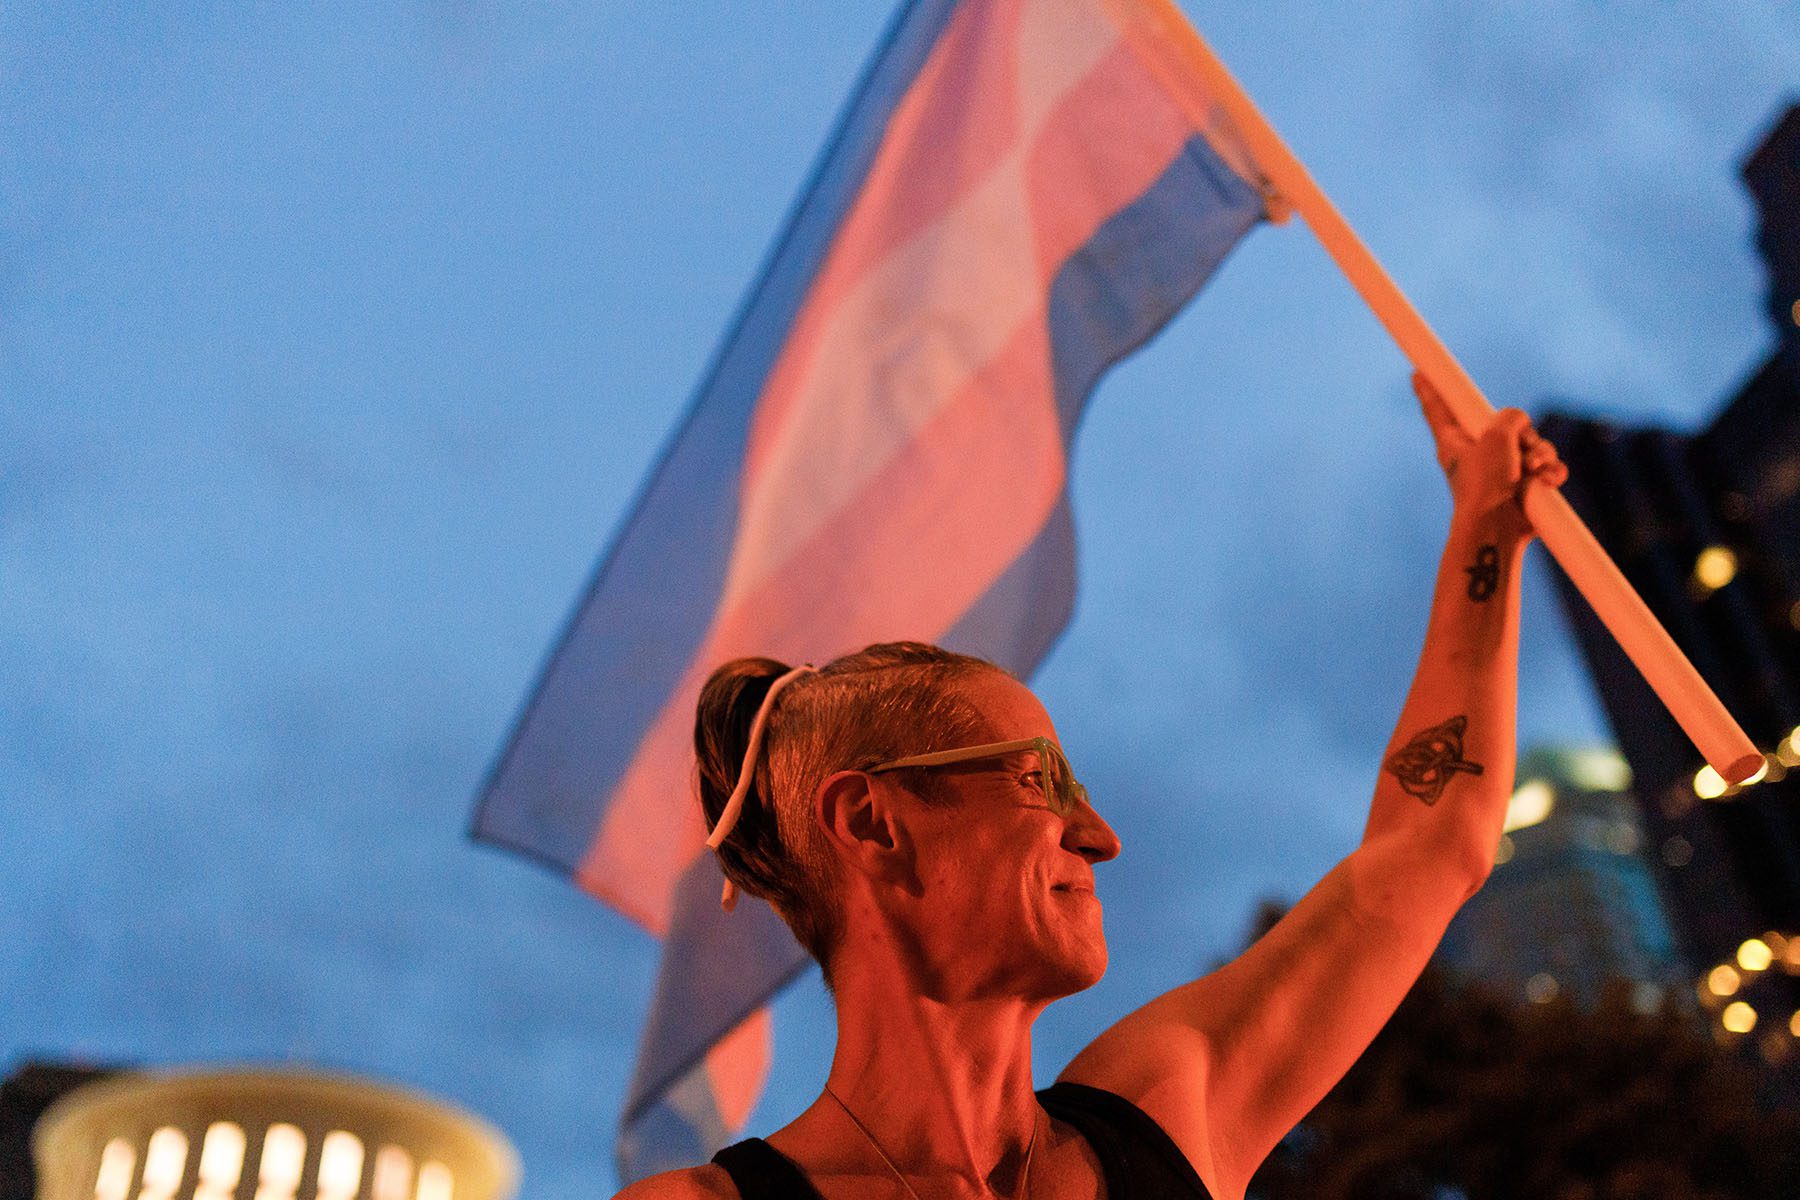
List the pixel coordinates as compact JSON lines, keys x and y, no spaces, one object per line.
{"x":1484,"y":576}
{"x":1424,"y":765}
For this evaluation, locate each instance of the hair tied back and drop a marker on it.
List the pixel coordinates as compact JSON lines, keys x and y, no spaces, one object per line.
{"x":734,"y":806}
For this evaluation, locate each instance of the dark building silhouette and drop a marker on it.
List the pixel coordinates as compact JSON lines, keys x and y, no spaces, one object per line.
{"x":1707,"y":528}
{"x":24,"y":1095}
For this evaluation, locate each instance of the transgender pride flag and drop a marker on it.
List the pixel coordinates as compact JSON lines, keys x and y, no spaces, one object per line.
{"x":1020,"y":193}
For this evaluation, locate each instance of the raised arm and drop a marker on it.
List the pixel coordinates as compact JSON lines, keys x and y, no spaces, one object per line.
{"x":1229,"y":1063}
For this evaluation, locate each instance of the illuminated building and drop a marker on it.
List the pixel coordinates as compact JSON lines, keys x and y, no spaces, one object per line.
{"x":219,"y":1134}
{"x":1706,"y":526}
{"x":1571,"y":903}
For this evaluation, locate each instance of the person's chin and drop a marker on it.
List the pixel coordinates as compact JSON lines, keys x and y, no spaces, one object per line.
{"x":1081,"y":962}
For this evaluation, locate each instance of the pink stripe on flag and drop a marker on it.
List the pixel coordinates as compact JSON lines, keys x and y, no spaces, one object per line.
{"x":1112,"y":135}
{"x":886,"y":566}
{"x":737,"y":1065}
{"x":947,"y":173}
{"x":844,"y":494}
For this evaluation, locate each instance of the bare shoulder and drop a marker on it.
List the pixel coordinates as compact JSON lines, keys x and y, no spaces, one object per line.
{"x":709,"y":1182}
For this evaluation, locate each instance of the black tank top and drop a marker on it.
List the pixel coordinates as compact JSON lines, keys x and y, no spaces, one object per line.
{"x":1137,"y":1159}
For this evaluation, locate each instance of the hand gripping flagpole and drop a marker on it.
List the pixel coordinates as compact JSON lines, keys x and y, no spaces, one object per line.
{"x":1170,"y":45}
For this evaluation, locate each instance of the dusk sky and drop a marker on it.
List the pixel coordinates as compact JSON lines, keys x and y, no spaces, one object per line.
{"x":334,"y":341}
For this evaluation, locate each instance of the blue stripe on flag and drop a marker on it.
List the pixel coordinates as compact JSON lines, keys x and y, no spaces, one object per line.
{"x":717,"y":968}
{"x":1140,"y":267}
{"x":1109,"y":298}
{"x":635,"y":630}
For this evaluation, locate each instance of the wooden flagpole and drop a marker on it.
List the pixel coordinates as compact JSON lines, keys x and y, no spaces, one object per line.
{"x":1172,"y":47}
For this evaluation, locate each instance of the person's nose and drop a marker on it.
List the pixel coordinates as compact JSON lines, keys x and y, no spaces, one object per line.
{"x":1086,"y":833}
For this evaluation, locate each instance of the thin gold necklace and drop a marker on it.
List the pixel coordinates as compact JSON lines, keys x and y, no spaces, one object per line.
{"x":1024,"y":1175}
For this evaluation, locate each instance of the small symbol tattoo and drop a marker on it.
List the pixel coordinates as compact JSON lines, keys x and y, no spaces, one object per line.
{"x":1424,"y":765}
{"x":1484,"y":576}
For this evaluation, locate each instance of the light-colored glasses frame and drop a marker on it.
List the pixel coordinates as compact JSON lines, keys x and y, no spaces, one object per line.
{"x":1061,"y":790}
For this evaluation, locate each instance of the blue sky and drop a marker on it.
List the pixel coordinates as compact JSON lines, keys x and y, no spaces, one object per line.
{"x":333,"y":342}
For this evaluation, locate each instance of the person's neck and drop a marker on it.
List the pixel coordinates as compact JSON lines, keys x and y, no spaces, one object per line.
{"x":941,"y":1079}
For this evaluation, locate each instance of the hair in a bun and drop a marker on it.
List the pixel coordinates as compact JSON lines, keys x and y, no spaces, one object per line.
{"x":885,"y":701}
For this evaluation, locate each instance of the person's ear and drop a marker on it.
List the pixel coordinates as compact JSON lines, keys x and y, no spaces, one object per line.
{"x":859,"y":817}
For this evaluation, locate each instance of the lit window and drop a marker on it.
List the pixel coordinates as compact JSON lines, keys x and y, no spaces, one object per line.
{"x":164,"y":1159}
{"x":340,"y":1165}
{"x":393,"y":1174}
{"x":1529,"y":805}
{"x":118,"y":1159}
{"x":221,"y":1161}
{"x":1738,"y":1017}
{"x":434,"y":1181}
{"x":283,"y":1154}
{"x":1600,"y":769}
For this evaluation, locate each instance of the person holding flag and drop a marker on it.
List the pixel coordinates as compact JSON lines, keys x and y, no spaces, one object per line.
{"x":909,"y":814}
{"x":1019,"y":194}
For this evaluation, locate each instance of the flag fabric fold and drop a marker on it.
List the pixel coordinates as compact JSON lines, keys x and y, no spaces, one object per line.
{"x":1018,"y":195}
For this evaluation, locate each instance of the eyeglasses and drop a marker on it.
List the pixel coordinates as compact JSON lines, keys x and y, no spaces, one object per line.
{"x":1057,"y":782}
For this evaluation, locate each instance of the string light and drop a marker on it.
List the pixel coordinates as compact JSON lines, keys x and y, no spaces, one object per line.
{"x":1755,"y":955}
{"x":1738,"y":1017}
{"x":1715,"y":567}
{"x":1741,"y":973}
{"x":1708,"y":783}
{"x":1788,"y":750}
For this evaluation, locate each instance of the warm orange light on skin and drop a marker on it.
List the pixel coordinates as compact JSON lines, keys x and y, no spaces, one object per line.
{"x":1161,"y":33}
{"x":1738,"y":1017}
{"x":1723,"y":980}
